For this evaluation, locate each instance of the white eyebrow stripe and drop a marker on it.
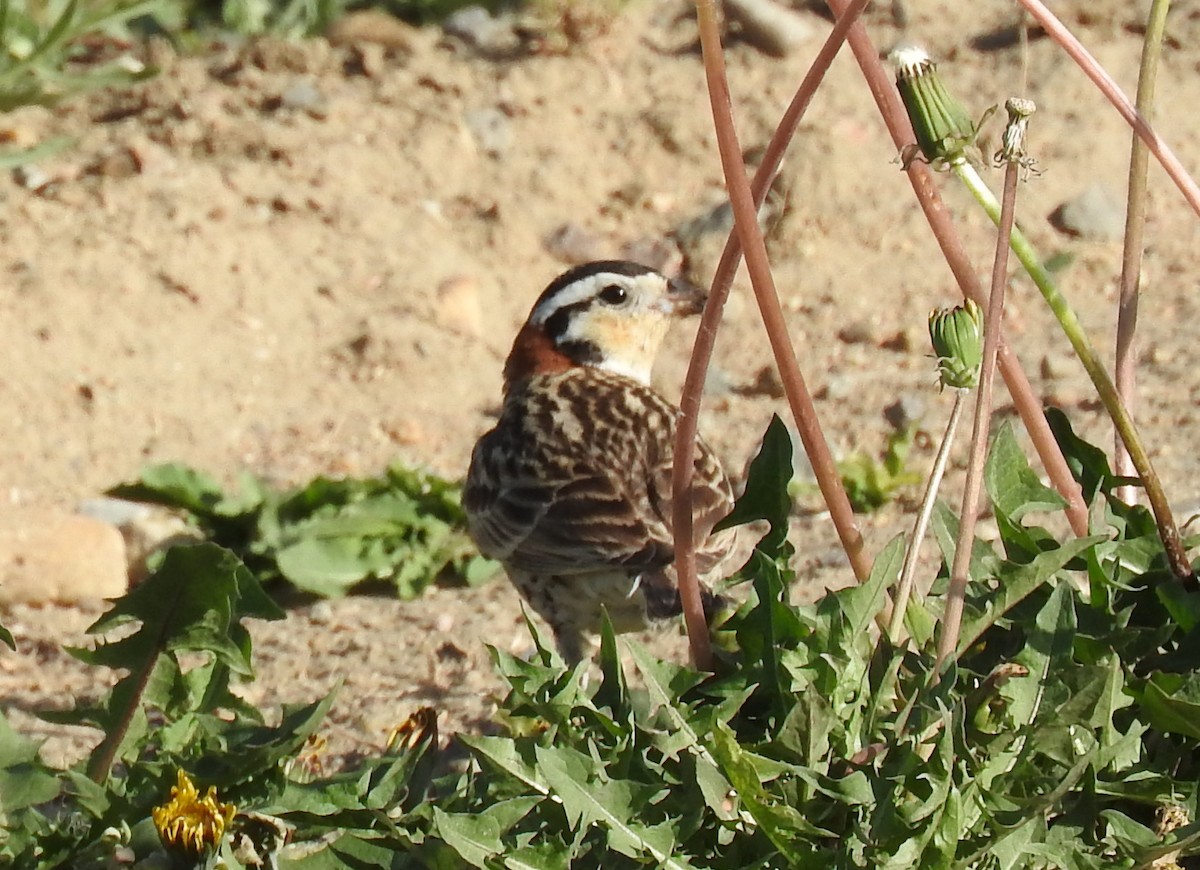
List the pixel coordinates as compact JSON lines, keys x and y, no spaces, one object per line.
{"x":579,"y":291}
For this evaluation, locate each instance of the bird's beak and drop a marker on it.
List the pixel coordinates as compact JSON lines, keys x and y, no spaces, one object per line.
{"x":684,"y":298}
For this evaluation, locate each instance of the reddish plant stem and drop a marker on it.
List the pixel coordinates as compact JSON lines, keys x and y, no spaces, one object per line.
{"x":681,"y":477}
{"x":794,"y":385}
{"x":1111,"y":90}
{"x":1028,"y":405}
{"x":814,"y":441}
{"x":993,"y":321}
{"x":100,"y":764}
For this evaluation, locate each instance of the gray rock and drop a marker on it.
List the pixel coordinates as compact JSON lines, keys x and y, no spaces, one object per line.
{"x":771,"y":28}
{"x":573,"y":243}
{"x":717,"y":382}
{"x":1096,"y":214}
{"x":145,"y":528}
{"x":766,"y":383}
{"x":1052,"y":368}
{"x":858,"y":332}
{"x":32,"y":177}
{"x":906,"y":411}
{"x":302,"y":95}
{"x":718,"y":219}
{"x":475,"y":26}
{"x":840,"y":386}
{"x":490,"y":129}
{"x":661,"y":254}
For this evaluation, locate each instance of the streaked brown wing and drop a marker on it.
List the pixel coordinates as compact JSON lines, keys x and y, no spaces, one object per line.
{"x":595,"y":500}
{"x":562,"y":526}
{"x":712,"y":500}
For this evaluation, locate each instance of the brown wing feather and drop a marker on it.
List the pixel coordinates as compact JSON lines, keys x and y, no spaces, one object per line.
{"x":575,"y":478}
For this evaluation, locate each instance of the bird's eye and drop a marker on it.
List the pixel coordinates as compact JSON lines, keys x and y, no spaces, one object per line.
{"x":614,"y":294}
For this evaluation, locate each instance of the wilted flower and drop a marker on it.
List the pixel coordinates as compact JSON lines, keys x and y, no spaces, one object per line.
{"x":957,"y":336}
{"x":418,"y":727}
{"x":1012,"y":144}
{"x":945,"y":132}
{"x":190,"y":823}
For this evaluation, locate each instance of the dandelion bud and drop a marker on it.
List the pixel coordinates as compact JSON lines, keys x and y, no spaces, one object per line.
{"x":957,"y":336}
{"x":945,"y":132}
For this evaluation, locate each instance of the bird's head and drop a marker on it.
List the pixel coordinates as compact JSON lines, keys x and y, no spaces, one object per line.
{"x":610,"y":314}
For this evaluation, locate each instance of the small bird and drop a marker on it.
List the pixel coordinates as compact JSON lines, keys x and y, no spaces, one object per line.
{"x":571,"y":491}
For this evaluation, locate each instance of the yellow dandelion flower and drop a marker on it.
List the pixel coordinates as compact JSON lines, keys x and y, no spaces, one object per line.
{"x":190,"y":823}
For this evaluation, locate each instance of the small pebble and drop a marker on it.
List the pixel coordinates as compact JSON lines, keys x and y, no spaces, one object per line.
{"x":490,"y":129}
{"x":458,"y":306}
{"x":321,"y":613}
{"x":121,"y":163}
{"x":858,"y":332}
{"x":48,"y":555}
{"x":840,"y":386}
{"x":662,"y":255}
{"x":771,"y":28}
{"x":906,"y":411}
{"x":1155,"y":355}
{"x":1096,"y":214}
{"x":572,"y":243}
{"x":904,"y":341}
{"x":302,"y":95}
{"x":766,"y":383}
{"x":31,"y":177}
{"x":717,"y":382}
{"x":115,"y":511}
{"x":1052,"y":368}
{"x":489,"y":36}
{"x":372,"y":26}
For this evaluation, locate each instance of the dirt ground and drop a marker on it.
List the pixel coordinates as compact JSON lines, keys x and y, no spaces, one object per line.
{"x":310,"y":259}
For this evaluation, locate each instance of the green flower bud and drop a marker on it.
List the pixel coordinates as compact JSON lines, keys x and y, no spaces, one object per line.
{"x":945,"y":132}
{"x":957,"y":336}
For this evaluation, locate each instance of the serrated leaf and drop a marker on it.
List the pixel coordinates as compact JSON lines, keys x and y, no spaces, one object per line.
{"x":24,"y":780}
{"x":784,"y":826}
{"x":538,"y":856}
{"x":1171,"y":703}
{"x":944,"y":523}
{"x":1011,"y":484}
{"x":502,"y":753}
{"x":1088,"y":463}
{"x":609,"y":803}
{"x":767,"y":631}
{"x":190,"y":603}
{"x":862,"y":603}
{"x":476,"y":836}
{"x":665,"y":685}
{"x":1017,"y":584}
{"x":1048,"y":647}
{"x":766,"y":494}
{"x":612,"y":694}
{"x":173,"y":484}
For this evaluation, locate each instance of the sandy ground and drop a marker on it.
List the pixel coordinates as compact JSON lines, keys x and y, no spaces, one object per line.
{"x":310,"y":259}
